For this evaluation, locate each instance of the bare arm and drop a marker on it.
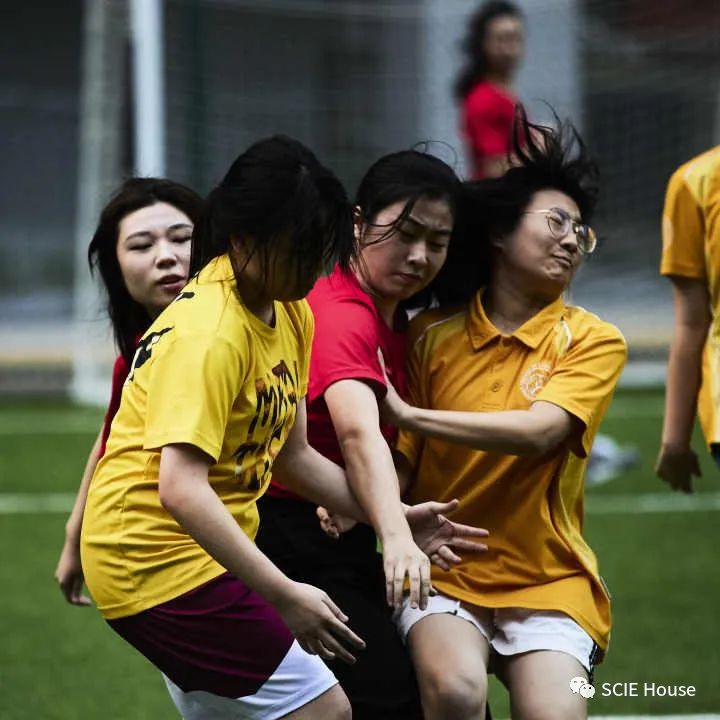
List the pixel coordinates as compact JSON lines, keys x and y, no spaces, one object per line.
{"x":316,"y":622}
{"x":537,"y":430}
{"x":68,"y":572}
{"x":304,"y":470}
{"x":372,"y":479}
{"x":677,"y":463}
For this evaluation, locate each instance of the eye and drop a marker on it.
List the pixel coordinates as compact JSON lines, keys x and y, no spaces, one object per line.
{"x":182,"y":238}
{"x":140,"y":247}
{"x":557,"y":220}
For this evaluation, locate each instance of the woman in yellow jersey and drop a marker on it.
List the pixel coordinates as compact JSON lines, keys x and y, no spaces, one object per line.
{"x":213,"y":400}
{"x":507,"y":395}
{"x":141,"y":247}
{"x":691,"y":261}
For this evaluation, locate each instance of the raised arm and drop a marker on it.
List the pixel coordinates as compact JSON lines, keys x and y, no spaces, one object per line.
{"x":677,"y":463}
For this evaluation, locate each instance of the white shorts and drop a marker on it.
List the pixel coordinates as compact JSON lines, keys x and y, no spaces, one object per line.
{"x":510,"y":631}
{"x":297,"y":680}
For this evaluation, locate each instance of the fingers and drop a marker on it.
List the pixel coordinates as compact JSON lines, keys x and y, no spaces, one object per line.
{"x":425,"y":584}
{"x":468,"y":530}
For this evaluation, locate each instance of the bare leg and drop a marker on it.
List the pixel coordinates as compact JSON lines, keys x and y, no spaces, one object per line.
{"x":331,"y":705}
{"x":539,"y":684}
{"x":450,"y":657}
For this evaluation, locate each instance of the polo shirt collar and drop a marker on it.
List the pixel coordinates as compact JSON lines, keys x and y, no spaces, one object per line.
{"x":481,"y":331}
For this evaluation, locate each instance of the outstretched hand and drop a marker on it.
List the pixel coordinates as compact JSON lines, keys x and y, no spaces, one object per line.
{"x":440,"y":538}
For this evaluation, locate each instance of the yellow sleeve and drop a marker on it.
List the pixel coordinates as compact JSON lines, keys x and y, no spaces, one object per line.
{"x":191,"y":390}
{"x":584,"y":380}
{"x":683,"y":226}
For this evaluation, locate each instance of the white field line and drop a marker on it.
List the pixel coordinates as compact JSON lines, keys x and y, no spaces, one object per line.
{"x":654,"y":717}
{"x":652,"y":503}
{"x":48,"y":503}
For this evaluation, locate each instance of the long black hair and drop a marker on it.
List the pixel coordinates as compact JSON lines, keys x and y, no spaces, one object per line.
{"x":278,"y":185}
{"x":130,"y":319}
{"x":475,"y":67}
{"x":543,"y":158}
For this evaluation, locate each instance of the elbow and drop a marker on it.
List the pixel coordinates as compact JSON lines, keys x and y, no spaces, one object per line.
{"x":540,"y":442}
{"x":356,"y":440}
{"x":172,"y":496}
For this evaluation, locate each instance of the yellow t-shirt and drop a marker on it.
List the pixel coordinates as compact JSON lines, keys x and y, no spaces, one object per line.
{"x":691,"y":249}
{"x":532,"y":506}
{"x":208,"y":373}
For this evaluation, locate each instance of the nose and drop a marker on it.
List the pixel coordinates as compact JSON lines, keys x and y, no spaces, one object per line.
{"x":418,"y":254}
{"x":166,"y":253}
{"x":569,"y":241}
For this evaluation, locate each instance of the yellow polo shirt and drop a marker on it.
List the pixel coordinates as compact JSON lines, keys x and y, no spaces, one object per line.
{"x":532,"y":506}
{"x":691,"y":249}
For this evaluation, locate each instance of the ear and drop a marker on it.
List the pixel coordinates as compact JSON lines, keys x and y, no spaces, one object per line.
{"x":358,"y":223}
{"x":497,"y":242}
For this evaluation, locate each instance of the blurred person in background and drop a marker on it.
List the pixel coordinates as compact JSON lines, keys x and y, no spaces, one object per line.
{"x":691,"y":261}
{"x":404,"y":219}
{"x":142,"y":249}
{"x":507,"y":396}
{"x":213,"y":404}
{"x":493,"y":50}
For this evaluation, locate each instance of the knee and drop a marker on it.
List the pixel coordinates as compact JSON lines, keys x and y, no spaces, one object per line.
{"x":457,"y":695}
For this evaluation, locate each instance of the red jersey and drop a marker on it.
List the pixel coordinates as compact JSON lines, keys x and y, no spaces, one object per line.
{"x":488,"y":112}
{"x":348,"y":333}
{"x":120,"y":373}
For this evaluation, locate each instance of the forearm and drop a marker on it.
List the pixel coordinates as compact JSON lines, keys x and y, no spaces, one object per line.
{"x":371,"y":476}
{"x":305,"y":471}
{"x":683,"y":384}
{"x":512,"y":432}
{"x":74,"y":522}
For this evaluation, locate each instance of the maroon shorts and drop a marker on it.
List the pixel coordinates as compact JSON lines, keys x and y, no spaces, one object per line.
{"x":221,"y":638}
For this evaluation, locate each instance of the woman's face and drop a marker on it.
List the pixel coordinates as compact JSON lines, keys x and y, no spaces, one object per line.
{"x":541,"y":263}
{"x":396,"y":262}
{"x":503,"y":45}
{"x":153,"y":250}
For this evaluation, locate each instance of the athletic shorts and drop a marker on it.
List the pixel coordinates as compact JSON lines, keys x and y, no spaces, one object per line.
{"x":226,"y":653}
{"x":510,"y":631}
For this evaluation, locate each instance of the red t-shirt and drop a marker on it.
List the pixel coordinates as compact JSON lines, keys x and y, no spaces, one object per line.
{"x":348,"y":333}
{"x":120,"y":372}
{"x":488,"y":113}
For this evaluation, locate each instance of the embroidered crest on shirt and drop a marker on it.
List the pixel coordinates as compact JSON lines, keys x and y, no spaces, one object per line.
{"x":534,"y":379}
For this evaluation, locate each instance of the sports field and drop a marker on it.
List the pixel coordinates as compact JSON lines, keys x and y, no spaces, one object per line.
{"x":658,"y":553}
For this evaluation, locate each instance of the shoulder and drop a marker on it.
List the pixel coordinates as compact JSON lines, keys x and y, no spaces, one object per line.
{"x":485,"y":94}
{"x":431,"y":327}
{"x":694,"y":175}
{"x":299,"y":314}
{"x":585,"y":326}
{"x":339,"y":288}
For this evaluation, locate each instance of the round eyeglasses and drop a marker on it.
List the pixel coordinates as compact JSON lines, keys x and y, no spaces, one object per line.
{"x":560,"y":224}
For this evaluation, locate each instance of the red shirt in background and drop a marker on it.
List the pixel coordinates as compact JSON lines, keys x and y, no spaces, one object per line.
{"x":348,"y":333}
{"x":488,"y":112}
{"x":119,"y":374}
